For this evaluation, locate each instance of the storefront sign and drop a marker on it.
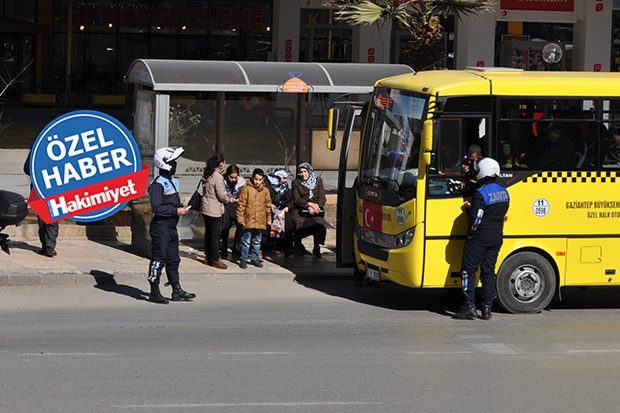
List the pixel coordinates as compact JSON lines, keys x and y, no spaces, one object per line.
{"x":538,"y":5}
{"x":85,"y":166}
{"x":181,"y":16}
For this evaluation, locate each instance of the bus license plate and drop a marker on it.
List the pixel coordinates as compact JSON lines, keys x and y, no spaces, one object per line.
{"x":373,"y":274}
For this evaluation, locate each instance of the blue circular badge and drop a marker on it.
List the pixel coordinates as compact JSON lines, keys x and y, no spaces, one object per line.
{"x":84,"y":165}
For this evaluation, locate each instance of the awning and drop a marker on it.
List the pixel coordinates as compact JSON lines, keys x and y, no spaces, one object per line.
{"x":232,"y":76}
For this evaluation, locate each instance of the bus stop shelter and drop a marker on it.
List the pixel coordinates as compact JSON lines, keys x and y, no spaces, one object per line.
{"x":299,"y":78}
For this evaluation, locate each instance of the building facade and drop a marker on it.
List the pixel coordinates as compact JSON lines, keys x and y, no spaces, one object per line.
{"x":105,"y":36}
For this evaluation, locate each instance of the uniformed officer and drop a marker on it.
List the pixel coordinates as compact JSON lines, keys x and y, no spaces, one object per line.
{"x":489,"y":204}
{"x":166,"y":207}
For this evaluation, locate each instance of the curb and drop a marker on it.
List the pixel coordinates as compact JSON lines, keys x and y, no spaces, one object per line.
{"x":83,"y":261}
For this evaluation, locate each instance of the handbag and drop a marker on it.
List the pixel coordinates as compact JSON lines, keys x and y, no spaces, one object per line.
{"x":278,"y":224}
{"x":195,"y":200}
{"x":229,"y":217}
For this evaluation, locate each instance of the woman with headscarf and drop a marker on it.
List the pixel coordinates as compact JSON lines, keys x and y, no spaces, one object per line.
{"x":309,"y":200}
{"x":214,"y":198}
{"x":282,"y":200}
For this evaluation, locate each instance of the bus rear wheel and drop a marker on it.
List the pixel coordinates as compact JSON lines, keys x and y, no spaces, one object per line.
{"x":526,"y":283}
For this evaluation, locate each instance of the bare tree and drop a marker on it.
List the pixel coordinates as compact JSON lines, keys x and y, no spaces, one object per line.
{"x":5,"y":84}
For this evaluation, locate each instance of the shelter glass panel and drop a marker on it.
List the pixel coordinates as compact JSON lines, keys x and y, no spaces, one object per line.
{"x":192,"y":125}
{"x":261,"y":129}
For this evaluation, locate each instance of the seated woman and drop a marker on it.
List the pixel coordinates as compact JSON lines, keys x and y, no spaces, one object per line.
{"x":281,"y":200}
{"x":309,"y":203}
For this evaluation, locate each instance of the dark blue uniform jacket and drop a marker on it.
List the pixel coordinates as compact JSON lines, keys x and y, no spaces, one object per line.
{"x":489,"y":205}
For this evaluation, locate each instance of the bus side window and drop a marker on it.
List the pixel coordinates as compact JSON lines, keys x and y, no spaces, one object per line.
{"x":611,"y":157}
{"x":515,"y":139}
{"x":447,"y":149}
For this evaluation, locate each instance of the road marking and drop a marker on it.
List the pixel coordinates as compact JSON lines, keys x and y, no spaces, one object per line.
{"x":422,"y":352}
{"x":255,"y":353}
{"x":496,"y":348}
{"x":474,"y":336}
{"x":66,"y":354}
{"x":282,"y":404}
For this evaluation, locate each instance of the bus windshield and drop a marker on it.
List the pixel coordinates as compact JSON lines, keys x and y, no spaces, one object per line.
{"x":392,"y":145}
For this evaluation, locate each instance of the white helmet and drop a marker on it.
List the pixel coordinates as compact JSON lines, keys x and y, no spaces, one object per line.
{"x":167,"y":154}
{"x":487,"y":167}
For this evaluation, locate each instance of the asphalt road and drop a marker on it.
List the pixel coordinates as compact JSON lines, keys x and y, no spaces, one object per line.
{"x":305,"y":346}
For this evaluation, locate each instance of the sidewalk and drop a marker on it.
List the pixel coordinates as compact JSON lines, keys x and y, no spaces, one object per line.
{"x":87,"y":255}
{"x":88,"y":261}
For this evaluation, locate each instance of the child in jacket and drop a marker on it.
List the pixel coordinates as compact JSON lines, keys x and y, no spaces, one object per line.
{"x":253,"y":215}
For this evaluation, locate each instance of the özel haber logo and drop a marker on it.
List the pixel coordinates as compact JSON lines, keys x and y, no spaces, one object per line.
{"x":85,"y":166}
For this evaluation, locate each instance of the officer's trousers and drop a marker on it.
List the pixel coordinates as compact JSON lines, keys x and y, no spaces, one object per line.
{"x":165,"y":251}
{"x":480,"y":252}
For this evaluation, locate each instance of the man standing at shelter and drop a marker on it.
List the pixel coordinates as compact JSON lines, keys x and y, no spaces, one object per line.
{"x":48,"y":233}
{"x":489,"y":204}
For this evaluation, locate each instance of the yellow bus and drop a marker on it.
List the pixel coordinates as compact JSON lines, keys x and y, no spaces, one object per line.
{"x":401,"y":220}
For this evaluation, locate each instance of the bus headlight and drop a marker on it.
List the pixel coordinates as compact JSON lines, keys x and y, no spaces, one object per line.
{"x":383,"y":240}
{"x":403,"y":239}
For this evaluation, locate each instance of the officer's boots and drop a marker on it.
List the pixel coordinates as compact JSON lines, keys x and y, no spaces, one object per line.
{"x":178,"y":294}
{"x":467,"y":312}
{"x":155,"y":295}
{"x":486,"y":312}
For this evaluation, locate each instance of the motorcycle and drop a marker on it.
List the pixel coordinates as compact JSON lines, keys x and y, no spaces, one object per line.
{"x":13,"y":210}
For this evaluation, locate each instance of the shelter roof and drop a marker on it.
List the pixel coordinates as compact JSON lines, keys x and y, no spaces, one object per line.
{"x":233,"y":76}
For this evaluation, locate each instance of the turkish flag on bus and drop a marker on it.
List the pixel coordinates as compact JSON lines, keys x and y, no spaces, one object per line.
{"x":371,"y":218}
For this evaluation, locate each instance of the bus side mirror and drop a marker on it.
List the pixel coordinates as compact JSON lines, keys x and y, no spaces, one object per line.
{"x":332,"y":128}
{"x":427,"y":137}
{"x":427,"y":158}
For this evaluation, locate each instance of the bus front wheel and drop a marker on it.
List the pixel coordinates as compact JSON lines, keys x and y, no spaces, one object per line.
{"x":525,"y":283}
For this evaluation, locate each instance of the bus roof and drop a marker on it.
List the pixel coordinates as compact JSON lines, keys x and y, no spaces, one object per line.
{"x":507,"y":82}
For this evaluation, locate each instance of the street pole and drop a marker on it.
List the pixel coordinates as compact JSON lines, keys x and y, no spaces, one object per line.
{"x":68,"y":71}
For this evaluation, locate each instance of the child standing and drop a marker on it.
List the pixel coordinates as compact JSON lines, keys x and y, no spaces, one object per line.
{"x":253,"y":216}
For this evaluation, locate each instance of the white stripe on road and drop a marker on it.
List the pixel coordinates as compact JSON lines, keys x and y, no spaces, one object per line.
{"x":424,"y":353}
{"x":254,"y":353}
{"x":282,"y":404}
{"x":67,"y":354}
{"x":496,"y":348}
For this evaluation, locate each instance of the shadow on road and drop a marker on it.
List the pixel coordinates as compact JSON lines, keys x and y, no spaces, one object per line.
{"x":389,"y":295}
{"x":447,"y":301}
{"x":106,"y":282}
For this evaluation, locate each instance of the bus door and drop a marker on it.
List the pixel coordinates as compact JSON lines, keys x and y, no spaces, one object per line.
{"x":346,"y":203}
